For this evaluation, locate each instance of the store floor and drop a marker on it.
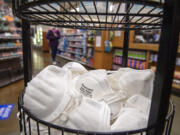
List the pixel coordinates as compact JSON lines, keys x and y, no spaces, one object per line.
{"x":9,"y":94}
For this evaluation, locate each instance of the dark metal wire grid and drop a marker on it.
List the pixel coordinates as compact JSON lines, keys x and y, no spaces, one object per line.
{"x":92,"y":14}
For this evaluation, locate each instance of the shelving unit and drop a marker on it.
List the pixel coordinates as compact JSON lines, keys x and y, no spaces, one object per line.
{"x":73,"y":47}
{"x":67,"y":58}
{"x":8,"y":48}
{"x":11,"y":66}
{"x":162,"y":15}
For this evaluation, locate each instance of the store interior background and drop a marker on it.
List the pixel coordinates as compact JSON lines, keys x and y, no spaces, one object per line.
{"x":93,"y":49}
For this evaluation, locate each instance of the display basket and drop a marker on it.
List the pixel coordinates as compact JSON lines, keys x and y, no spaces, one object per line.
{"x":30,"y":124}
{"x":106,"y":15}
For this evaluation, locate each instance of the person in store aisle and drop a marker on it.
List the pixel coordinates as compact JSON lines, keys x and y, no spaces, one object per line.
{"x":53,"y":36}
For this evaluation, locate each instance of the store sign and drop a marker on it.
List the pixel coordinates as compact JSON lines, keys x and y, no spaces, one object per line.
{"x":98,"y":41}
{"x":5,"y":111}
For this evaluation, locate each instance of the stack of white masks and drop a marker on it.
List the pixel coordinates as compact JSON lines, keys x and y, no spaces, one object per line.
{"x":89,"y":100}
{"x":93,"y":84}
{"x":50,"y":97}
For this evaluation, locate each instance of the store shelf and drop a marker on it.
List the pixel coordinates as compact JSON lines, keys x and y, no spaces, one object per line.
{"x":117,"y":64}
{"x":136,"y":58}
{"x":11,"y":81}
{"x":9,"y":31}
{"x":61,"y":50}
{"x":74,"y":60}
{"x":10,"y":38}
{"x":131,"y":57}
{"x":9,"y":48}
{"x":90,"y":46}
{"x":9,"y":58}
{"x":89,"y":56}
{"x":78,"y":34}
{"x":75,"y":40}
{"x":75,"y":46}
{"x":75,"y":53}
{"x":176,"y":86}
{"x":117,"y":55}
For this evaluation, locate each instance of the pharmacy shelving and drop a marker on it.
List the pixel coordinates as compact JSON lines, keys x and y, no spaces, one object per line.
{"x":74,"y":47}
{"x":70,"y":59}
{"x":11,"y":68}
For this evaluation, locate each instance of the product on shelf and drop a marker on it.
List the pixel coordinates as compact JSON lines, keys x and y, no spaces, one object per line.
{"x":147,"y":36}
{"x":136,"y":59}
{"x":153,"y":57}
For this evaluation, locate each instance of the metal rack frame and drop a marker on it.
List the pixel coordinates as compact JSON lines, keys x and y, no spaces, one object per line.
{"x":168,"y":19}
{"x":43,"y":12}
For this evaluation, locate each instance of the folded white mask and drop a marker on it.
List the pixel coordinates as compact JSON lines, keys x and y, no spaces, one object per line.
{"x":115,"y":102}
{"x":46,"y":95}
{"x":90,"y":115}
{"x":129,"y":119}
{"x":76,"y":68}
{"x":113,"y":78}
{"x":139,"y":102}
{"x":136,"y":81}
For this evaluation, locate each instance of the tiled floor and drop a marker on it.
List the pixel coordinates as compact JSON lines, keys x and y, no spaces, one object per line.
{"x":9,"y":95}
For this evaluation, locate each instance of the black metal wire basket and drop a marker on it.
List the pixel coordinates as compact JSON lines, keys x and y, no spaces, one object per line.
{"x":163,"y":14}
{"x":30,"y":124}
{"x":76,"y":14}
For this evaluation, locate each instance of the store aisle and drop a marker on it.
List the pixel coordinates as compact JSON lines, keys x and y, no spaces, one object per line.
{"x":9,"y":94}
{"x":39,"y":60}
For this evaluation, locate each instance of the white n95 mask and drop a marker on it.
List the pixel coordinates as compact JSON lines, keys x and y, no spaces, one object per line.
{"x":76,"y":68}
{"x":129,"y":119}
{"x":136,"y":82}
{"x":113,"y":78}
{"x":89,"y":115}
{"x":93,"y":84}
{"x":139,"y":102}
{"x":115,"y":102}
{"x":46,"y":94}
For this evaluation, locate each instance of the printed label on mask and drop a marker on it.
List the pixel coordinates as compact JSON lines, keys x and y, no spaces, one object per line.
{"x":86,"y":91}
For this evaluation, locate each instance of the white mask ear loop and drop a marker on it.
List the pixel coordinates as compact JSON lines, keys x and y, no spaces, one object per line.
{"x":76,"y":101}
{"x":64,"y":118}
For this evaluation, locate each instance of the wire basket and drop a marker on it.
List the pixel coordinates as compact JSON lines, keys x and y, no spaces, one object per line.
{"x":31,"y":125}
{"x":92,"y":14}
